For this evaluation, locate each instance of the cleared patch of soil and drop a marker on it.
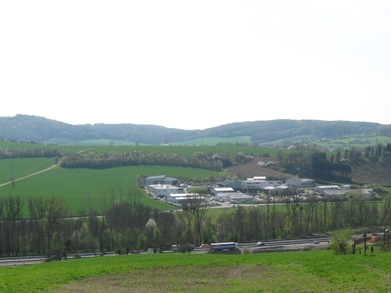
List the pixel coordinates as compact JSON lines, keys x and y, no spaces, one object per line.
{"x":251,"y":169}
{"x":207,"y":278}
{"x":172,"y":279}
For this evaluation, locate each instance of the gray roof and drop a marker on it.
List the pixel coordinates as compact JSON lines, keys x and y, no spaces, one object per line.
{"x":156,"y":177}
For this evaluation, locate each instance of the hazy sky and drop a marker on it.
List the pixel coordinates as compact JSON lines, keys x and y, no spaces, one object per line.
{"x":196,"y":64}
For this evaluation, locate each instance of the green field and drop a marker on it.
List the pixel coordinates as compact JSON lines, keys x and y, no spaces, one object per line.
{"x":200,"y":141}
{"x":307,"y":271}
{"x":215,"y":140}
{"x":18,"y":168}
{"x":355,"y":141}
{"x":79,"y":186}
{"x":181,"y":150}
{"x":82,"y":186}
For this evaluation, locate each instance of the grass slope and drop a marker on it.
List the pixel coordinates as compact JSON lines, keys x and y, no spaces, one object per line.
{"x":308,"y":271}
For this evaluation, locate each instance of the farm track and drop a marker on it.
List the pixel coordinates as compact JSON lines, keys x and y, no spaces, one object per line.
{"x":30,"y":175}
{"x":39,"y":172}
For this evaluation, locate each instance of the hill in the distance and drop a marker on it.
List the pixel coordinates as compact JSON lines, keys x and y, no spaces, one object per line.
{"x":38,"y":129}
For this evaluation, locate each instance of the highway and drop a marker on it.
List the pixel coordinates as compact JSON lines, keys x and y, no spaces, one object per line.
{"x":268,"y":246}
{"x":34,"y":259}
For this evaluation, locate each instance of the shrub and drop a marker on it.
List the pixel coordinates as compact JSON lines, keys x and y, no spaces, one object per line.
{"x":341,"y":241}
{"x":246,"y":250}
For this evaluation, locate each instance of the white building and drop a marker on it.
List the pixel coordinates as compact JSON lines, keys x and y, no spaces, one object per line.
{"x":222,"y":196}
{"x":334,"y":193}
{"x":160,"y":179}
{"x":215,"y":190}
{"x":259,"y":184}
{"x":238,"y":197}
{"x":183,"y":197}
{"x":162,"y":190}
{"x":279,"y":190}
{"x":321,"y":188}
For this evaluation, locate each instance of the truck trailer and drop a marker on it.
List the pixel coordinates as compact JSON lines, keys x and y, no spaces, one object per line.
{"x":224,"y":246}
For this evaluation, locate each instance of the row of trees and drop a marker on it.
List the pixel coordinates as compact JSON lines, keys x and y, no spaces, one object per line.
{"x":331,"y":167}
{"x":326,"y":169}
{"x":318,"y":165}
{"x":118,"y":159}
{"x":6,"y":153}
{"x":378,"y":153}
{"x":129,"y":225}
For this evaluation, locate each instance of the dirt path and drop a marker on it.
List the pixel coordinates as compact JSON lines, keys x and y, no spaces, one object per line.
{"x":27,"y":176}
{"x":39,"y":172}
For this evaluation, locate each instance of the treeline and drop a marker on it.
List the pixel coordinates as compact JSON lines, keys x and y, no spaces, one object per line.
{"x":8,"y":153}
{"x":126,"y":226}
{"x":317,"y":165}
{"x":378,"y":153}
{"x":299,"y":219}
{"x":332,"y":167}
{"x":49,"y":229}
{"x":105,"y":160}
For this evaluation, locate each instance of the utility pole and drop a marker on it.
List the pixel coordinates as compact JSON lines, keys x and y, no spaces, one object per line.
{"x":13,"y":171}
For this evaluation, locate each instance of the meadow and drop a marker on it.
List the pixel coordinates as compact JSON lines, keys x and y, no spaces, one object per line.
{"x":80,"y":187}
{"x":181,"y":150}
{"x":17,"y":168}
{"x":193,"y":142}
{"x":304,"y":271}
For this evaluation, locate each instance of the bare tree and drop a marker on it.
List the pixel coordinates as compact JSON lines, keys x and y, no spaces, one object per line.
{"x":56,"y":210}
{"x":195,"y":207}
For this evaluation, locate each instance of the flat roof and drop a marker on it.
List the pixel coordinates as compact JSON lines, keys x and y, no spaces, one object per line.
{"x":184,"y":194}
{"x":223,"y":188}
{"x":163,"y":186}
{"x":156,"y":177}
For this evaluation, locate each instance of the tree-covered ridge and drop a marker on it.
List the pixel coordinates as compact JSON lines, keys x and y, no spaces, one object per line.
{"x":103,"y":160}
{"x":32,"y":128}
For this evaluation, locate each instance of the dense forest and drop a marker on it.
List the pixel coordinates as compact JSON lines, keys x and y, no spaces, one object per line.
{"x":335,"y":167}
{"x":128,"y":225}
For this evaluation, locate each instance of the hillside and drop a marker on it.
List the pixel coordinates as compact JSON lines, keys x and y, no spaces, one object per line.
{"x":39,"y":129}
{"x":363,"y":172}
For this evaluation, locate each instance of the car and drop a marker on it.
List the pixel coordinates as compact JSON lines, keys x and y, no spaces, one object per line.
{"x":205,"y":246}
{"x":259,"y":243}
{"x":316,"y":241}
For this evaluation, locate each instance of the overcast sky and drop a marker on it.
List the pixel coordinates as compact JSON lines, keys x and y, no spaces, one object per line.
{"x":195,"y":64}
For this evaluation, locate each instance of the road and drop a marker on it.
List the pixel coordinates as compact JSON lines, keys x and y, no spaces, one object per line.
{"x":34,"y":259}
{"x":281,"y":245}
{"x":268,"y":247}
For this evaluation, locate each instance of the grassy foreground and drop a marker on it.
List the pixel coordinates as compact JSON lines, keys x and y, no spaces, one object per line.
{"x":308,"y":271}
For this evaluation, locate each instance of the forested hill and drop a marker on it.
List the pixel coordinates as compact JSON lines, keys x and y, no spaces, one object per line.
{"x":39,"y":129}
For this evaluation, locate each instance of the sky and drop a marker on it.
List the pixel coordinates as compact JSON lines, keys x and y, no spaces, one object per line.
{"x":195,"y":64}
